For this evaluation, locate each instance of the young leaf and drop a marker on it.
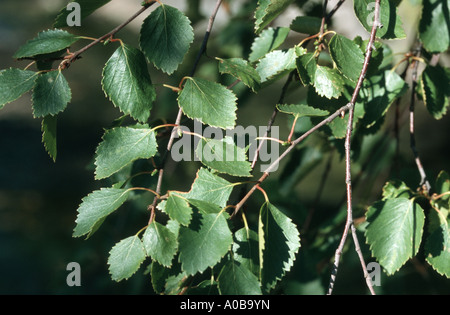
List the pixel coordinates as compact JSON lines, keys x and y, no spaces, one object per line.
{"x":394,"y":231}
{"x":48,"y":128}
{"x":306,"y":24}
{"x":267,"y":11}
{"x":14,"y":83}
{"x":223,"y":156}
{"x":240,"y":69}
{"x":178,"y":208}
{"x":328,"y":82}
{"x":301,"y":110}
{"x":125,"y":258}
{"x":347,"y":56}
{"x":236,"y":279}
{"x":392,"y":25}
{"x":435,"y":92}
{"x":46,"y":42}
{"x":209,"y":102}
{"x":210,"y":188}
{"x":51,"y":94}
{"x":95,"y":207}
{"x":165,"y":37}
{"x":121,"y":146}
{"x":160,"y":243}
{"x":437,"y":243}
{"x":269,"y":39}
{"x":396,"y":189}
{"x":204,"y":242}
{"x":279,"y":242}
{"x":88,"y":7}
{"x":434,"y":26}
{"x":127,"y":83}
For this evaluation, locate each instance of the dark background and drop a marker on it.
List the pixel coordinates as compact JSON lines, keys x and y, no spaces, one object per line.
{"x":39,"y":198}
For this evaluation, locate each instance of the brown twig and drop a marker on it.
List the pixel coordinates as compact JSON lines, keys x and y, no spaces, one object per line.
{"x":348,"y":177}
{"x":76,"y":55}
{"x":423,"y":177}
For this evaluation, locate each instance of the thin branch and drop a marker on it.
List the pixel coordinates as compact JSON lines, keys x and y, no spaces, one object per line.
{"x":348,"y":176}
{"x":324,"y":17}
{"x":333,"y":11}
{"x":423,"y":177}
{"x":76,"y":55}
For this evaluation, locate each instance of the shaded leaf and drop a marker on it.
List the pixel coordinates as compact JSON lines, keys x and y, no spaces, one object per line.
{"x":437,"y":243}
{"x":435,"y":92}
{"x":347,"y":56}
{"x":87,"y":8}
{"x":301,"y":110}
{"x":279,"y":241}
{"x":236,"y":279}
{"x":306,"y":24}
{"x":48,"y":128}
{"x":165,"y":37}
{"x":267,"y":11}
{"x":434,"y":25}
{"x":245,"y":249}
{"x":177,"y":207}
{"x":127,"y":83}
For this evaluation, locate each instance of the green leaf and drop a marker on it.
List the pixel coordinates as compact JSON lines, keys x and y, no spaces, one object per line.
{"x":378,"y":93}
{"x":48,"y":128}
{"x":236,"y":279}
{"x":160,"y":243}
{"x":394,"y":231}
{"x":46,"y":42}
{"x":347,"y":56}
{"x":328,"y":82}
{"x":396,"y":189}
{"x":434,"y":26}
{"x":210,"y":188}
{"x":246,"y":249}
{"x":267,"y":11}
{"x":209,"y":102}
{"x":437,"y":243}
{"x":14,"y":83}
{"x":165,"y":37}
{"x":204,"y":242}
{"x":127,"y":83}
{"x":277,"y":63}
{"x":279,"y":242}
{"x":51,"y":94}
{"x":95,"y":207}
{"x":241,"y":70}
{"x":223,"y":156}
{"x":87,"y":8}
{"x":392,"y":25}
{"x":435,"y":92}
{"x":306,"y":24}
{"x":269,"y":39}
{"x":177,"y":207}
{"x":301,"y":110}
{"x":125,"y":258}
{"x":121,"y":146}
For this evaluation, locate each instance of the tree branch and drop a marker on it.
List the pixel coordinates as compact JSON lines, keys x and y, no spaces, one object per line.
{"x":348,"y":177}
